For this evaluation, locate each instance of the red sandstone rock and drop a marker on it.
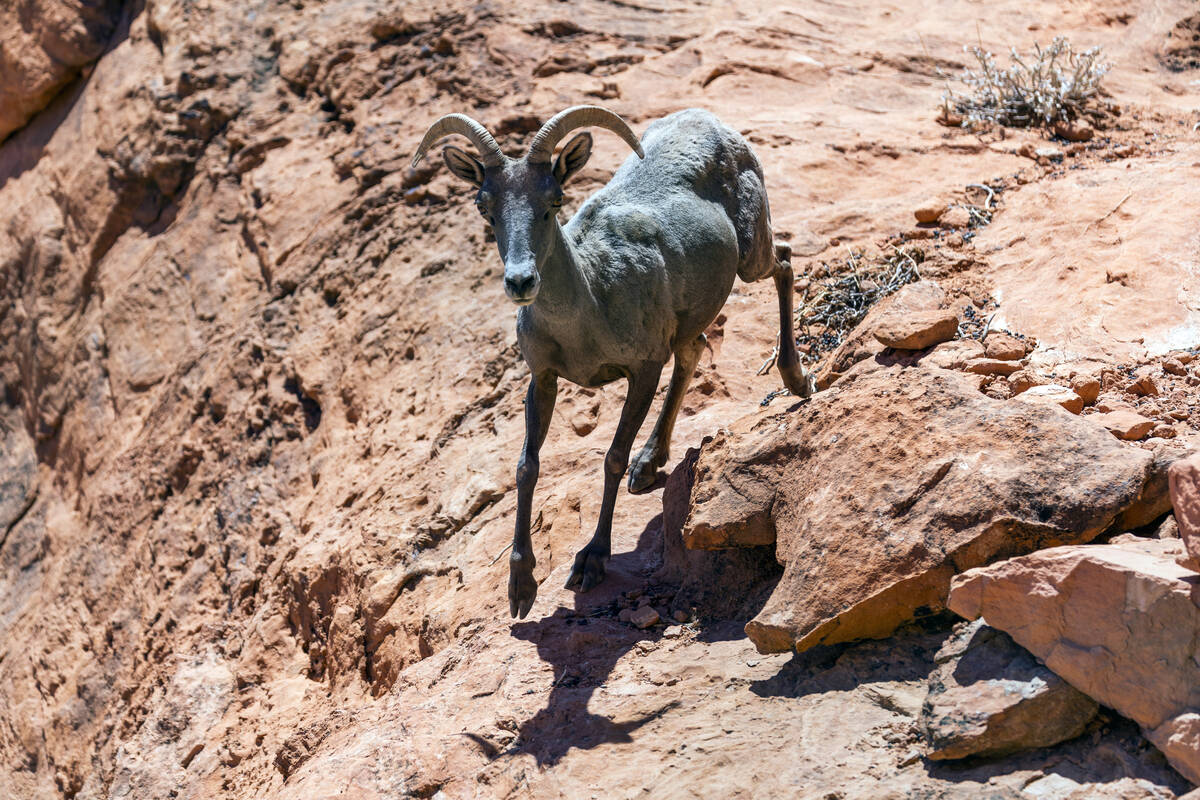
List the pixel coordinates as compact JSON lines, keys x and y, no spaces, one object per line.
{"x":1001,"y":346}
{"x":1053,"y":394}
{"x":990,"y":697}
{"x":861,"y":343}
{"x":867,"y":541}
{"x":916,"y":330}
{"x":1184,"y":480}
{"x":954,"y":354}
{"x":991,"y":366}
{"x":1124,"y":424}
{"x":43,"y":44}
{"x":1087,"y":387}
{"x":929,"y":211}
{"x":1116,"y":621}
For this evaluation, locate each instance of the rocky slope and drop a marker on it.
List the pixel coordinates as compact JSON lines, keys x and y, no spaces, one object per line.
{"x":262,"y":399}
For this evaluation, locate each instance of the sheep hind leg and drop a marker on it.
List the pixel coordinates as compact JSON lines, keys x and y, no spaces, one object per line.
{"x":644,"y":476}
{"x":589,"y":567}
{"x":796,"y":378}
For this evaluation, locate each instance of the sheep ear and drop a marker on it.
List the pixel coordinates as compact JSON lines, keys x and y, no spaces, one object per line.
{"x":463,"y":165}
{"x":572,"y":158}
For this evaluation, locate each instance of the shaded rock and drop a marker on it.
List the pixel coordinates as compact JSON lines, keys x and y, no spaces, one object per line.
{"x":917,"y":330}
{"x":1168,"y":529}
{"x":644,"y":617}
{"x":861,"y":343}
{"x":18,"y":473}
{"x":1053,"y":394}
{"x":990,"y":697}
{"x":1001,"y":346}
{"x":1127,"y":425}
{"x":1184,"y":481}
{"x":1117,"y":621}
{"x":881,"y":489}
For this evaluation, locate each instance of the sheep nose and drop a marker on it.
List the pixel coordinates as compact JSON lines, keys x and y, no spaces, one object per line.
{"x":521,"y":287}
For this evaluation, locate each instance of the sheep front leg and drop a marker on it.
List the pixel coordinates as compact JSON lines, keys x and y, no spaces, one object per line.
{"x":588,"y":569}
{"x":539,"y":407}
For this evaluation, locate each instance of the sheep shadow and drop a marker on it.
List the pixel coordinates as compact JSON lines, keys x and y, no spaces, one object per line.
{"x":583,"y":645}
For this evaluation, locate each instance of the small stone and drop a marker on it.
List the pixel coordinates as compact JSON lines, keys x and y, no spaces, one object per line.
{"x":626,"y":615}
{"x":1053,"y":394}
{"x":583,"y":423}
{"x":1023,"y":380}
{"x":1144,"y":385}
{"x":1003,"y":347}
{"x":929,"y":211}
{"x":1173,"y":367}
{"x":992,"y":366}
{"x":998,"y":389}
{"x":956,"y":218}
{"x":1123,"y":424}
{"x":644,"y":617}
{"x":916,"y":330}
{"x":680,"y":615}
{"x":1163,"y":431}
{"x":1049,"y":154}
{"x":1074,"y":131}
{"x":1087,"y":387}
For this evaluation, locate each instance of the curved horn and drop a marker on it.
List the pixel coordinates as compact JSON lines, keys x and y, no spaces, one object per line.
{"x":542,"y":147}
{"x":489,"y":151}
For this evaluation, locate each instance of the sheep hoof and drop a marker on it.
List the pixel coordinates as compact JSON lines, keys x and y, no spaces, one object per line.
{"x":522,"y":588}
{"x":588,"y":571}
{"x":799,"y":381}
{"x":645,"y":476}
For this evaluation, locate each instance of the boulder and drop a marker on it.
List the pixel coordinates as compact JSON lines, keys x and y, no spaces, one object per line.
{"x":1124,"y":424}
{"x":916,"y":330}
{"x":861,"y":344}
{"x":879,"y":490}
{"x":1184,"y":479}
{"x":1117,"y":621}
{"x":990,"y":697}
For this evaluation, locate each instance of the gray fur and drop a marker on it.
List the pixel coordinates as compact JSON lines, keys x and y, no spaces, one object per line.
{"x":635,"y":277}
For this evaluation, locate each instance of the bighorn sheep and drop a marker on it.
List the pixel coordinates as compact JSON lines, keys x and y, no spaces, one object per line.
{"x":634,"y":277}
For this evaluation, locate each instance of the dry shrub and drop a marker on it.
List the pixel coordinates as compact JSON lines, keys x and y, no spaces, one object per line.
{"x":1055,"y":84}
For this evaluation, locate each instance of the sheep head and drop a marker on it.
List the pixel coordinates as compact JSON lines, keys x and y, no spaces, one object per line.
{"x":520,"y":198}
